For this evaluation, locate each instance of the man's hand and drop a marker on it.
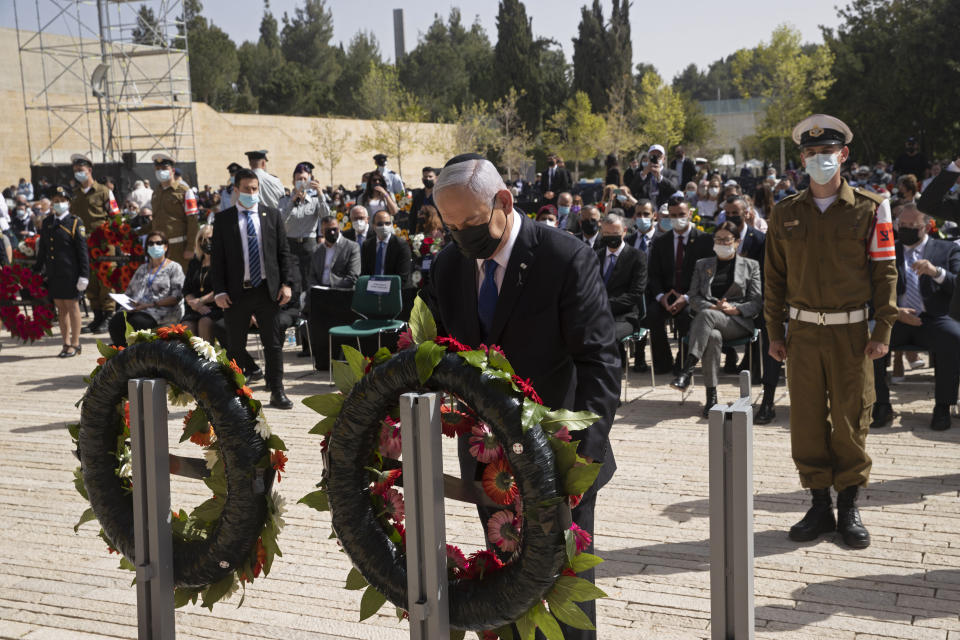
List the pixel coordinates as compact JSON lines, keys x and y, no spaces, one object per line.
{"x":315,"y":185}
{"x":284,"y":296}
{"x":925,"y":268}
{"x":140,"y":306}
{"x":678,"y":305}
{"x":223,"y":300}
{"x":909,"y":316}
{"x":664,"y":299}
{"x":875,"y":350}
{"x":778,"y":350}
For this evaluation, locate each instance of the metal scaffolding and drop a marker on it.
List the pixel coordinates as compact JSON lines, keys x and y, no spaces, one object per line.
{"x":106,"y":77}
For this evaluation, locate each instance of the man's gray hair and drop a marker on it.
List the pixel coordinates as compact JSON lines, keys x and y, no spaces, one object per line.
{"x":613,"y":218}
{"x":479,"y":176}
{"x":358,"y":207}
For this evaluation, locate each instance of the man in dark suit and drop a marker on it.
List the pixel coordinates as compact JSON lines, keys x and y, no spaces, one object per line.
{"x":385,"y":254}
{"x":359,"y":225}
{"x":927,"y":272}
{"x":682,"y":166}
{"x":421,"y":197}
{"x":554,"y":180}
{"x":251,"y":270}
{"x":499,"y":283}
{"x":670,"y":269}
{"x":631,"y":171}
{"x":655,"y":182}
{"x":624,"y":272}
{"x":937,"y":200}
{"x":647,"y":230}
{"x":589,"y":232}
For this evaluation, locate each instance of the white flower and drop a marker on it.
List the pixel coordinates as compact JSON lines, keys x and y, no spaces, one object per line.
{"x":25,"y":249}
{"x":178,"y":398}
{"x":212,"y":456}
{"x":277,"y":505}
{"x":136,"y":336}
{"x":204,"y":348}
{"x":418,"y":240}
{"x":262,"y":427}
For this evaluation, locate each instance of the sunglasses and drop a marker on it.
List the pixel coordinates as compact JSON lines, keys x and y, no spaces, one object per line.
{"x":157,"y":243}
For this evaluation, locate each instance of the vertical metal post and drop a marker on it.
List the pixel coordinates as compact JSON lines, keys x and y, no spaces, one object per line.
{"x":426,"y":522}
{"x":731,"y":517}
{"x":151,"y":508}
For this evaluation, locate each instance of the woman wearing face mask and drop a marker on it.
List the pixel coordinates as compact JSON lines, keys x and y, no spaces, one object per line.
{"x":301,"y":212}
{"x":547,"y":215}
{"x":691,"y":194}
{"x":708,"y":201}
{"x":375,"y":196}
{"x":22,"y":223}
{"x":62,"y":257}
{"x":201,"y":312}
{"x":156,"y":291}
{"x":725,"y":295}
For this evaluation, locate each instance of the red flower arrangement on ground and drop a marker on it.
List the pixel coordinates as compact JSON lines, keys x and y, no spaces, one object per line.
{"x":115,"y":271}
{"x":27,"y":317}
{"x":26,"y":249}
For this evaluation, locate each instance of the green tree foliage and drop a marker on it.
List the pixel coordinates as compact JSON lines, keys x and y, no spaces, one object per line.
{"x":661,"y":112}
{"x":513,"y":141}
{"x":716,"y":83}
{"x":475,"y":130}
{"x":362,"y":54}
{"x":897,"y":73}
{"x":515,"y":62}
{"x":397,"y":112}
{"x":575,"y":132}
{"x":311,"y":59}
{"x":259,"y":64}
{"x":214,"y":65}
{"x":698,"y":129}
{"x":620,"y":118}
{"x":147,"y":31}
{"x":602,"y":52}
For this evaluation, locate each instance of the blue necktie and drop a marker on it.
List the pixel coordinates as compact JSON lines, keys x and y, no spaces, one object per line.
{"x":381,"y":249}
{"x":253,"y":250}
{"x":487,"y":297}
{"x":912,"y":299}
{"x":609,"y":271}
{"x":643,"y":242}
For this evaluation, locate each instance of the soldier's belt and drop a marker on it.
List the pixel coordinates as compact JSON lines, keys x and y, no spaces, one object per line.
{"x":176,"y":240}
{"x":833,"y":317}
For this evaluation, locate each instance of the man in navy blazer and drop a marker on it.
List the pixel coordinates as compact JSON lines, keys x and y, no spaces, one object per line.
{"x":940,"y":199}
{"x":537,"y":293}
{"x":927,"y":269}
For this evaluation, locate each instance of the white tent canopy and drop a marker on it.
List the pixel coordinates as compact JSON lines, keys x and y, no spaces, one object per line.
{"x":726,"y":160}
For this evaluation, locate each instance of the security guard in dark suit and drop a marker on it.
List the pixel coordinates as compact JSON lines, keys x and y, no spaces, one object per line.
{"x":830,"y":258}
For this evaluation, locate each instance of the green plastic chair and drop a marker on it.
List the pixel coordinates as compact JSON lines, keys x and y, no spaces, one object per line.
{"x":377,"y":311}
{"x":630,"y":345}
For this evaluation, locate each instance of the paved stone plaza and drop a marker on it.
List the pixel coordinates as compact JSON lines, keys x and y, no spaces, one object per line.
{"x":653,"y":528}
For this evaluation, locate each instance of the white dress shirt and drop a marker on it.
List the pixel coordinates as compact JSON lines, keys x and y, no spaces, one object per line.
{"x":242,"y":224}
{"x":501,"y":257}
{"x":328,"y":256}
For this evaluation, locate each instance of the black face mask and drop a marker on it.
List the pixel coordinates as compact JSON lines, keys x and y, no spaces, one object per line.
{"x":737,"y":220}
{"x":206,"y":246}
{"x":909,"y":237}
{"x":589,"y":227}
{"x":331,"y":235}
{"x":475,"y":241}
{"x":428,"y":183}
{"x":611,"y":242}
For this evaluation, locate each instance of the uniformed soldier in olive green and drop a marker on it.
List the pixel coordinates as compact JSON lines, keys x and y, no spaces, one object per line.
{"x":829,"y":259}
{"x":174,"y":207}
{"x":94,"y":204}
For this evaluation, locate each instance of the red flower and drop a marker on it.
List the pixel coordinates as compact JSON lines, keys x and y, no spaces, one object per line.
{"x":235,"y":367}
{"x":482,"y":563}
{"x":451,"y":344}
{"x":569,"y":572}
{"x":278,"y":460}
{"x":574,"y":500}
{"x":173,"y":330}
{"x":526,"y":388}
{"x":455,"y":423}
{"x":582,"y":538}
{"x":245,"y":391}
{"x":499,"y":483}
{"x":405,"y":340}
{"x":383,"y":480}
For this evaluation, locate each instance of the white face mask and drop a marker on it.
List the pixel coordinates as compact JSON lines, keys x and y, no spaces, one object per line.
{"x":383,"y":232}
{"x":823,"y":166}
{"x":163,"y":175}
{"x":680,"y":224}
{"x":361,"y":226}
{"x":724,"y":251}
{"x":302,"y":185}
{"x":713,"y":191}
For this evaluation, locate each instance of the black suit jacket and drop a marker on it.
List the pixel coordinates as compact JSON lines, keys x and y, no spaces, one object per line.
{"x":396,"y":262}
{"x":935,"y":201}
{"x":661,"y":266}
{"x":552,"y":320}
{"x":936,"y":297}
{"x":351,"y":234}
{"x":561,"y":181}
{"x":753,"y":246}
{"x":226,"y":261}
{"x":689,"y":171}
{"x":643,"y":187}
{"x":626,"y":284}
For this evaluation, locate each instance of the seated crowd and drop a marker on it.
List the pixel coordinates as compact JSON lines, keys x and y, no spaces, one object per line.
{"x":680,"y":248}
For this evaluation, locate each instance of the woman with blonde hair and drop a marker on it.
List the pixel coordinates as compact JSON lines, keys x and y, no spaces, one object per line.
{"x":201,"y":311}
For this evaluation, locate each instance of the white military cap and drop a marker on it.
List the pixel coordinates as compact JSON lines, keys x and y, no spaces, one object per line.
{"x":162,"y":157}
{"x":821,"y":129}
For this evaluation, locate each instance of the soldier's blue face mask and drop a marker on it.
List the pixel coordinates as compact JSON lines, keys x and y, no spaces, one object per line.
{"x":823,"y":166}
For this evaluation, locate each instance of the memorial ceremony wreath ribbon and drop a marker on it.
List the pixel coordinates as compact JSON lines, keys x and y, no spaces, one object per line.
{"x":228,"y":540}
{"x":533,"y":471}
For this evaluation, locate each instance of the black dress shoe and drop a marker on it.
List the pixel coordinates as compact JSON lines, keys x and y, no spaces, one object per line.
{"x":683,"y":378}
{"x":848,"y":520}
{"x":730,"y":364}
{"x":941,"y":417}
{"x":255,"y":375}
{"x":818,"y":520}
{"x":641,"y":367}
{"x":765,"y":414}
{"x":279,"y":400}
{"x":710,"y":401}
{"x":882,"y":415}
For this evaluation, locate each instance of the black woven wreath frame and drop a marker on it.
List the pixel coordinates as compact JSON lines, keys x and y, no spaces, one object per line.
{"x":499,"y":598}
{"x":197,"y":564}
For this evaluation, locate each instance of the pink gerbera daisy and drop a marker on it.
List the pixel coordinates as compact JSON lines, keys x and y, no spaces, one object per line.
{"x":482,"y":563}
{"x":582,"y":538}
{"x":563,"y":434}
{"x":393,"y":504}
{"x":483,"y":445}
{"x":456,"y":561}
{"x":390,"y":445}
{"x":503,"y":530}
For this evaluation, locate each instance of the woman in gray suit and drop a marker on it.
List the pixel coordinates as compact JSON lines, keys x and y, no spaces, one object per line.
{"x":725,"y":295}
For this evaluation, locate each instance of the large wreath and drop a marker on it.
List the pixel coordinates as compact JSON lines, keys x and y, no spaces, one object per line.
{"x":115,"y":271}
{"x":227,"y":540}
{"x":28,"y":317}
{"x":533,"y":473}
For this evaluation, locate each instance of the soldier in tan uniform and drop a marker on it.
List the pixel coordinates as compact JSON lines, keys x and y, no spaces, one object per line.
{"x":174,"y":207}
{"x":94,"y":204}
{"x":829,"y":259}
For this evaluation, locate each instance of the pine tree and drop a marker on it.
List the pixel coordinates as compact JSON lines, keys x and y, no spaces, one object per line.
{"x":515,"y":61}
{"x":590,"y":56}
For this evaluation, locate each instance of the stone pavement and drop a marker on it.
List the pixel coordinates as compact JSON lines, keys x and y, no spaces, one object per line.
{"x":55,"y":584}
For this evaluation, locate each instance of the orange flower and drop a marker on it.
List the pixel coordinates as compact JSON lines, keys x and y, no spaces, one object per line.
{"x":499,"y":483}
{"x":101,"y":361}
{"x":174,"y":329}
{"x":202,"y":438}
{"x":278,"y":459}
{"x":235,"y":367}
{"x":245,"y":391}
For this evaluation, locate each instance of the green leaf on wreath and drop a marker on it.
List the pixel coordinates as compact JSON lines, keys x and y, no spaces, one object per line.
{"x":217,"y":480}
{"x":576,"y":589}
{"x":355,"y":580}
{"x":316,"y":500}
{"x":343,"y":376}
{"x":87,"y":516}
{"x":504,"y":632}
{"x":458,"y":634}
{"x":382,"y":355}
{"x":216,"y":591}
{"x":565,"y":453}
{"x":577,"y":480}
{"x":423,"y":328}
{"x":78,"y":483}
{"x":126,"y":564}
{"x":499,"y":361}
{"x":371,"y":602}
{"x":327,"y":404}
{"x":324,"y":426}
{"x":274,"y":442}
{"x":184,"y":596}
{"x":429,"y":355}
{"x":569,"y":613}
{"x":209,"y":510}
{"x":127,"y":328}
{"x":547,"y":623}
{"x":526,"y":627}
{"x":477,"y":359}
{"x":105,"y":351}
{"x":584,"y":562}
{"x":74,"y":430}
{"x":356,"y":361}
{"x":196,"y":424}
{"x":531,"y":414}
{"x":268,"y":538}
{"x":572,"y":420}
{"x":570,"y":543}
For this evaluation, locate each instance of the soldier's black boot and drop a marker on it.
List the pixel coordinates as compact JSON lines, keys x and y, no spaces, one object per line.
{"x":819,"y":518}
{"x":682,"y":381}
{"x":766,"y":412}
{"x":711,"y":400}
{"x":848,"y":520}
{"x":97,"y":319}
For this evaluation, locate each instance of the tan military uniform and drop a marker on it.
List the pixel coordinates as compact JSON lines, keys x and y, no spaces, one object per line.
{"x":175,"y":214}
{"x":94,"y":208}
{"x":840,"y":260}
